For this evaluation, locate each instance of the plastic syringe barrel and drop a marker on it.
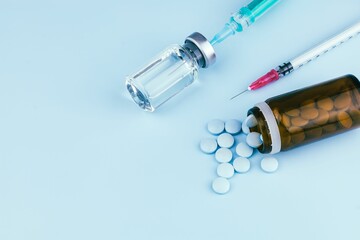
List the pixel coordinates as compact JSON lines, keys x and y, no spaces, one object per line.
{"x":260,"y":7}
{"x":242,"y":19}
{"x":253,"y":11}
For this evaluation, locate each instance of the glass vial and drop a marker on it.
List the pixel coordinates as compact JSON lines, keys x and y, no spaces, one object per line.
{"x":309,"y":114}
{"x":170,"y":72}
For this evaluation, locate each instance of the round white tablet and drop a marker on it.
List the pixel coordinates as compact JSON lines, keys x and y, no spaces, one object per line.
{"x":241,"y":165}
{"x":223,"y":155}
{"x":221,"y":185}
{"x":216,"y":126}
{"x":243,"y":150}
{"x":245,"y":129}
{"x":225,"y":140}
{"x":225,"y":170}
{"x":208,"y":145}
{"x":269,"y":164}
{"x":251,"y":121}
{"x":253,"y":139}
{"x":233,"y":126}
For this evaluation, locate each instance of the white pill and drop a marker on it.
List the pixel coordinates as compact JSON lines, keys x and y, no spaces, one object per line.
{"x":244,"y":150}
{"x":225,"y":170}
{"x":221,"y":185}
{"x":241,"y":165}
{"x":216,"y":126}
{"x":223,"y":155}
{"x":233,"y":126}
{"x":225,"y":140}
{"x":253,"y":140}
{"x":245,"y":128}
{"x":269,"y":164}
{"x":208,"y":145}
{"x":251,"y":121}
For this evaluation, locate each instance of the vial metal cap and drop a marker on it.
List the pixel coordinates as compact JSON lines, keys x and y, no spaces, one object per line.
{"x":204,"y":46}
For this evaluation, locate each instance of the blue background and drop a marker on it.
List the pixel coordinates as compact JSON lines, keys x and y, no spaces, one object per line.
{"x":78,"y":160}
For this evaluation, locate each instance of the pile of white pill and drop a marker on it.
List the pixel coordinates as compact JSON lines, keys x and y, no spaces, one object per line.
{"x":233,"y":157}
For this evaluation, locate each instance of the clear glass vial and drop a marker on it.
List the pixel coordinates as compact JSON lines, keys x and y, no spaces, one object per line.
{"x":307,"y":115}
{"x":170,"y":72}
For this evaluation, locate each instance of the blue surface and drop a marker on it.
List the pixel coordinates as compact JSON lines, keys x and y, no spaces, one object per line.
{"x":78,"y":160}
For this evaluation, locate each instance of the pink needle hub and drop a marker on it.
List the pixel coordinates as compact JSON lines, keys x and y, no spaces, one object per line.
{"x":270,"y":77}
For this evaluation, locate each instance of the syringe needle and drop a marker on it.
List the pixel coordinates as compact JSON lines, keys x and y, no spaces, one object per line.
{"x":288,"y":67}
{"x":271,"y":76}
{"x":239,"y":94}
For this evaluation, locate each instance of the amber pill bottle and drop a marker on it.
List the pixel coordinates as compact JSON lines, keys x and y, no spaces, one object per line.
{"x":307,"y":115}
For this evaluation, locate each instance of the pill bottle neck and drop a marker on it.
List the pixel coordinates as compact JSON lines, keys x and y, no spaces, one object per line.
{"x":261,"y":128}
{"x":267,"y":127}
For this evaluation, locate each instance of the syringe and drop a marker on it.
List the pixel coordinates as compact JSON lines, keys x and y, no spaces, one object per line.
{"x":288,"y":67}
{"x":242,"y":19}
